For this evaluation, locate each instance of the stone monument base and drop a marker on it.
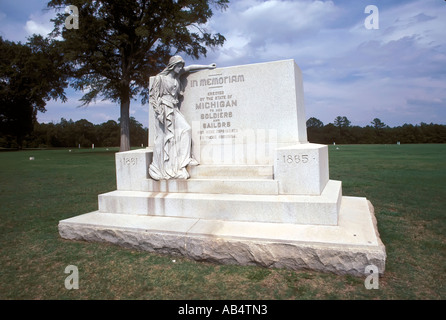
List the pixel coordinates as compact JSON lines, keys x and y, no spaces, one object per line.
{"x":345,"y":248}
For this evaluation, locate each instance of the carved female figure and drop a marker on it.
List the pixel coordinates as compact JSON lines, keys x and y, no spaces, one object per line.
{"x":173,"y":135}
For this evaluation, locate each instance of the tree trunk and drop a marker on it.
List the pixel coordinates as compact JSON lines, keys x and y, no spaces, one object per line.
{"x":125,"y":123}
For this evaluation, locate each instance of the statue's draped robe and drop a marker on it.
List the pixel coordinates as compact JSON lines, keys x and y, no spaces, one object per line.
{"x":173,"y":135}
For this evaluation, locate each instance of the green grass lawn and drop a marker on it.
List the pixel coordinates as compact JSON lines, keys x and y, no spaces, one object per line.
{"x":405,"y":183}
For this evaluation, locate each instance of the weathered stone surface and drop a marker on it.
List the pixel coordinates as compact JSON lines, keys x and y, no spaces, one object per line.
{"x":253,"y":172}
{"x":344,"y":249}
{"x":218,"y":201}
{"x":131,"y":168}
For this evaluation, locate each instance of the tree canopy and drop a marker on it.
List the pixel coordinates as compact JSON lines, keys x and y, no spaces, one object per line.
{"x":342,"y":122}
{"x":121,"y":43}
{"x":314,"y":123}
{"x":30,"y":75}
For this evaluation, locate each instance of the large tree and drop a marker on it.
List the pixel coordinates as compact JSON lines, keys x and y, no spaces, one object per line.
{"x":121,"y":43}
{"x":30,"y":75}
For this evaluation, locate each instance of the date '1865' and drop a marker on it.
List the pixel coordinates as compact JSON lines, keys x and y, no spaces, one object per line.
{"x":297,"y":158}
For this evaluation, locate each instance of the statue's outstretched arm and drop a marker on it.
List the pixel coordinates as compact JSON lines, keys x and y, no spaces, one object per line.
{"x":197,"y":67}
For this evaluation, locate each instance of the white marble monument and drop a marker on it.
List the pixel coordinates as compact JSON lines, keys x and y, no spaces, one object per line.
{"x":229,"y":176}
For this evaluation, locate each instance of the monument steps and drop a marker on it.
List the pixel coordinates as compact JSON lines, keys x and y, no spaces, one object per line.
{"x":213,"y":186}
{"x":220,"y":179}
{"x":233,"y":171}
{"x":277,"y":208}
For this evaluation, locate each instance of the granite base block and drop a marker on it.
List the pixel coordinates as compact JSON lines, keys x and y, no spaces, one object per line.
{"x":343,"y":249}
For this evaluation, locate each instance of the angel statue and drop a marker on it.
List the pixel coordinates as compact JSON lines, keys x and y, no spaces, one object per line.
{"x":173,"y":135}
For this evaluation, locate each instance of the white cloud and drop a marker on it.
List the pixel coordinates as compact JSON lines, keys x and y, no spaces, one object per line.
{"x":33,"y":27}
{"x":39,"y":23}
{"x":267,"y":30}
{"x":276,"y":20}
{"x":100,"y":117}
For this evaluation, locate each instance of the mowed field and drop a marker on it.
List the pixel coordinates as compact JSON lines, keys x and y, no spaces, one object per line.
{"x":405,"y":183}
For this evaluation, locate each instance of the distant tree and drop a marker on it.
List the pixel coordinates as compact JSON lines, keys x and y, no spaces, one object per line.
{"x":433,"y":133}
{"x":366,"y":135}
{"x":408,"y":133}
{"x":85,"y":133}
{"x":342,"y":122}
{"x":138,"y":133}
{"x":314,"y":123}
{"x":30,"y":75}
{"x":108,"y":134}
{"x":66,"y":132}
{"x":379,"y":128}
{"x":343,"y":125}
{"x":378,"y":124}
{"x":315,"y":129}
{"x":121,"y":43}
{"x":330,"y":134}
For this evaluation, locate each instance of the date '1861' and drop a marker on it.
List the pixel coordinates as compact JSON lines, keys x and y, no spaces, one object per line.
{"x":129,"y":161}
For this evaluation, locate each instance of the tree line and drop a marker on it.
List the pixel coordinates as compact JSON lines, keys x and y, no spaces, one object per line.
{"x":81,"y":133}
{"x":71,"y":134}
{"x":342,"y":132}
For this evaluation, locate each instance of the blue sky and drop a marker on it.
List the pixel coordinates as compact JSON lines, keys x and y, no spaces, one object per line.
{"x":396,"y":73}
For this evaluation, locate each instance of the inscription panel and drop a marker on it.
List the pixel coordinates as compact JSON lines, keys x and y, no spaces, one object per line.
{"x":241,"y":114}
{"x":215,"y":106}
